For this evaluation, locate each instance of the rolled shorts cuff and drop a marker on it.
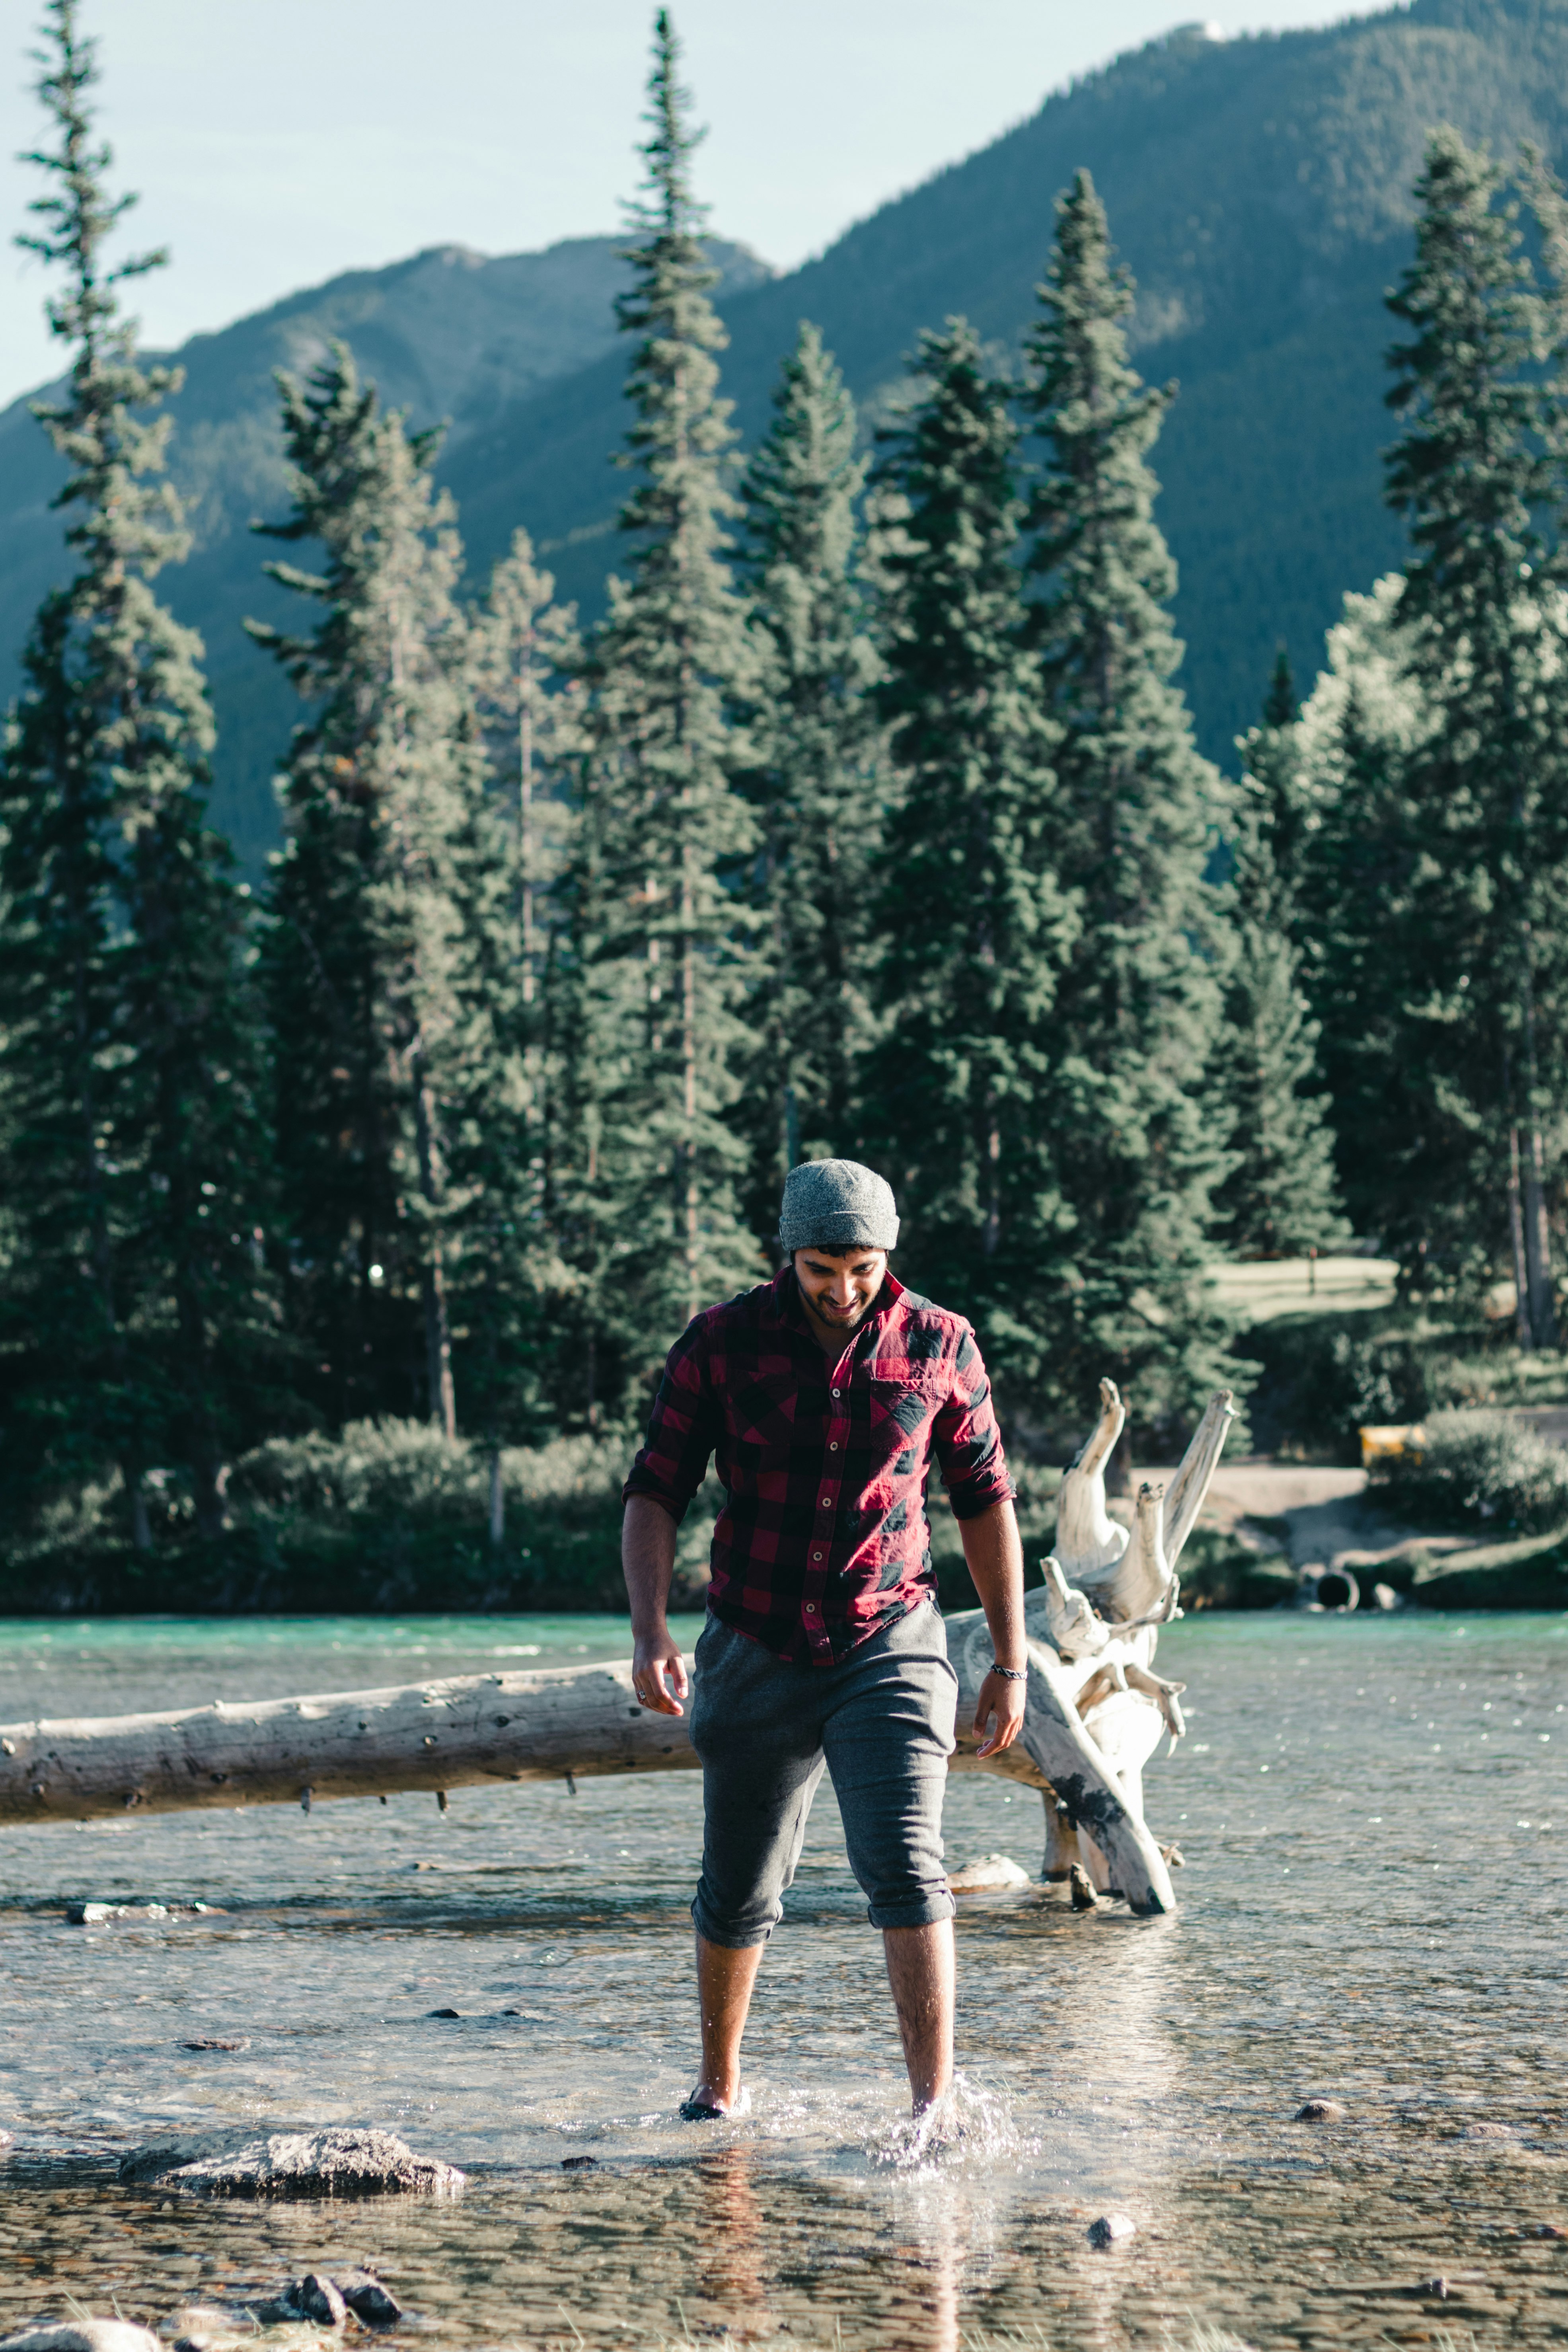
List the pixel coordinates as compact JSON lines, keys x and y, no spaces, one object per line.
{"x":728,"y":1938}
{"x":912,"y":1911}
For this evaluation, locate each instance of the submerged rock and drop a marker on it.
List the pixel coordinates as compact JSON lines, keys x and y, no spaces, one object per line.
{"x":340,"y":2162}
{"x":82,"y":2336}
{"x":991,"y":1870}
{"x":1490,"y":2131}
{"x":218,"y":2042}
{"x":1111,"y":2228}
{"x":1319,"y":2111}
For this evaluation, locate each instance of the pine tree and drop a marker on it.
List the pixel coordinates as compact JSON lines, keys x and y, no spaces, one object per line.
{"x":1138,"y":1009}
{"x":818,"y":781}
{"x":972,"y":926}
{"x":508,"y":1271}
{"x":1486,"y":958}
{"x":370,"y":946}
{"x":131,"y":1072}
{"x":1279,"y":1198}
{"x":669,"y":831}
{"x":1361,"y":729}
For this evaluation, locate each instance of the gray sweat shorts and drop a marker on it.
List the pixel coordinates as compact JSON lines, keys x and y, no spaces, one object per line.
{"x":881,"y":1720}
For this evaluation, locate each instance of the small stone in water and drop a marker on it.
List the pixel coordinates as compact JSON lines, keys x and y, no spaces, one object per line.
{"x":991,"y":1870}
{"x":367,"y":2298}
{"x":1082,"y":1888}
{"x":1320,"y":2111}
{"x":1111,"y":2229}
{"x":443,"y":2012}
{"x":578,"y":2163}
{"x":217,"y":2042}
{"x":1490,"y":2131}
{"x":318,"y":2298}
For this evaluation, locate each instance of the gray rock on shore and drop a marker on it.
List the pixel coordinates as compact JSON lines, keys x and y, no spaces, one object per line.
{"x":82,"y":2336}
{"x":339,"y":2162}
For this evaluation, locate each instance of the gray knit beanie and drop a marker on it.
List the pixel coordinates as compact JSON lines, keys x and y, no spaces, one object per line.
{"x":837,"y":1204}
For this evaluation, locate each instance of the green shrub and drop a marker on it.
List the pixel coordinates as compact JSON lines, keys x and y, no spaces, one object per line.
{"x":1479,"y":1470}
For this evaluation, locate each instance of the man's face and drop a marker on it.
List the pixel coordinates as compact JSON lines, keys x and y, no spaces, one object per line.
{"x":840,"y":1286}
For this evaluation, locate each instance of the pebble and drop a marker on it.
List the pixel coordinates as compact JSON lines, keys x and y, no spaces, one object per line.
{"x":217,"y":2042}
{"x":1111,"y":2228}
{"x":578,"y":2163}
{"x":443,"y":2012}
{"x":1081,"y":1887}
{"x":367,"y":2298}
{"x":340,"y":2162}
{"x":1488,"y":2131}
{"x":1320,"y":2111}
{"x":319,"y":2299}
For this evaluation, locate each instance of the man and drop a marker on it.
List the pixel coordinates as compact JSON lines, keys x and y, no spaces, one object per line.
{"x":826,"y":1396}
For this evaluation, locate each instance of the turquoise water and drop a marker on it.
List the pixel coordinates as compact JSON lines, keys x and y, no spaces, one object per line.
{"x":1374,"y":1817}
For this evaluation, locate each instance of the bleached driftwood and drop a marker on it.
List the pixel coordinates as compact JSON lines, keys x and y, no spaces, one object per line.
{"x":1095,"y":1711}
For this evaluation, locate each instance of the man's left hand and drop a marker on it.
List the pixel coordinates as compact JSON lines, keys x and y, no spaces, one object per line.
{"x":1004,"y":1699}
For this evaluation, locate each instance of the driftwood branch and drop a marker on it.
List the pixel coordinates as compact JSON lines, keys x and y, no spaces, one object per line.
{"x":1095,"y":1712}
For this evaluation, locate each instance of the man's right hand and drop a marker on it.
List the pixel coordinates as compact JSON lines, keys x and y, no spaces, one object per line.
{"x":659,"y":1673}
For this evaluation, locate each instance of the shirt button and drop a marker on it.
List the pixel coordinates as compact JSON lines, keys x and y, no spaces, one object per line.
{"x":810,"y":1609}
{"x":833,"y":1446}
{"x":838,"y":1392}
{"x":817,"y":1555}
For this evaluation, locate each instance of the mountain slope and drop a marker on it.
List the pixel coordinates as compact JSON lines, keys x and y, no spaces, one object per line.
{"x":446,"y":334}
{"x":1257,"y":188}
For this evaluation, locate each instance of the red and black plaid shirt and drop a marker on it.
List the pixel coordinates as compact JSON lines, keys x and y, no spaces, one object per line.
{"x":823,"y":1538}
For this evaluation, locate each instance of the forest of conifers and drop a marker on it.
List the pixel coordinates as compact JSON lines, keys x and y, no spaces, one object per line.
{"x":867,"y":820}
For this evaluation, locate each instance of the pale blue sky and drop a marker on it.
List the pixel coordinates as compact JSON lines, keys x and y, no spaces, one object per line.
{"x":276,"y":142}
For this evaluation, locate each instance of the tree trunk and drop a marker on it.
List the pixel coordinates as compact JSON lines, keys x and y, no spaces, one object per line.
{"x":1522,"y":1331}
{"x":443,"y":1397}
{"x":1537,"y":1244}
{"x":497,"y":1501}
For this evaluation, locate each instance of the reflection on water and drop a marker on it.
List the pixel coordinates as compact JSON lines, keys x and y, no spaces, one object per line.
{"x":1373,"y":1814}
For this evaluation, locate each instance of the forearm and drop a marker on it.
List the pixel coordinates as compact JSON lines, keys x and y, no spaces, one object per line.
{"x":993,"y":1553}
{"x":647,"y":1562}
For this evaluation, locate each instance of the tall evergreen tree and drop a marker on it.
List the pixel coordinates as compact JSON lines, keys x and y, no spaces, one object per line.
{"x":370,"y":943}
{"x":130,"y":1070}
{"x":1485,"y":877}
{"x":973,"y":927}
{"x":1138,"y":1009}
{"x":667,"y":830}
{"x":1363,"y":726}
{"x":818,"y":781}
{"x":1280,"y":1197}
{"x":507,"y":1270}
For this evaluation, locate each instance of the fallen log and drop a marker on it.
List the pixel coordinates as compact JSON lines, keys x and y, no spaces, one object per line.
{"x":1093,"y":1716}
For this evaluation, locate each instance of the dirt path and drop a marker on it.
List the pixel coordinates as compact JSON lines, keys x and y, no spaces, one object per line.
{"x":1320,"y":1518}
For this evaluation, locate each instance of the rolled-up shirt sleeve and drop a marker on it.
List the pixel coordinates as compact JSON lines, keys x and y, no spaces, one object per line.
{"x":682,"y":1429}
{"x":966,"y":1440}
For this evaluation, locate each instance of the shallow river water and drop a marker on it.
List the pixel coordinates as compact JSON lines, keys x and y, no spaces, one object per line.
{"x":1374,"y":1817}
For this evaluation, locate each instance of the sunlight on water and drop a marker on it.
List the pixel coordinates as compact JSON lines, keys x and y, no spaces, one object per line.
{"x":1375,"y":1820}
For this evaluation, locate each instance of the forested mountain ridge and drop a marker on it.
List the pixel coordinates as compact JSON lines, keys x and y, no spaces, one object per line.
{"x":1257,"y":188}
{"x":446,"y":334}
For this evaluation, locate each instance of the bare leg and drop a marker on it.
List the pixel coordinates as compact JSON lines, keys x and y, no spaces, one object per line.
{"x":725,"y":1981}
{"x":921,"y":1972}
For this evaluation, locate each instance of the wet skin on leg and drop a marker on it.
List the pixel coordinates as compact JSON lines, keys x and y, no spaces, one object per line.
{"x":920,"y":1971}
{"x":725,"y":1981}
